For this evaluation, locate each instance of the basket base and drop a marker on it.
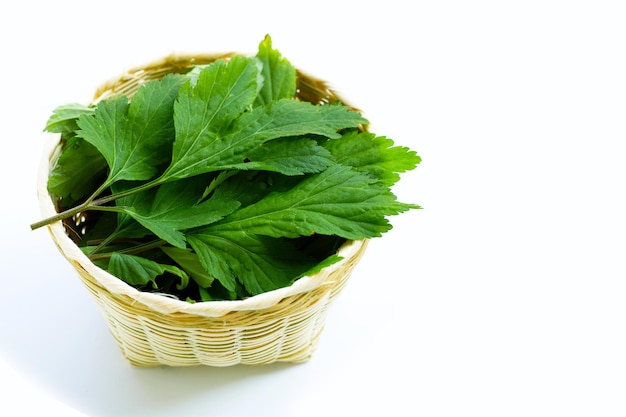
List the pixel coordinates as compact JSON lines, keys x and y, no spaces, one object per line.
{"x":286,"y":332}
{"x":293,"y":340}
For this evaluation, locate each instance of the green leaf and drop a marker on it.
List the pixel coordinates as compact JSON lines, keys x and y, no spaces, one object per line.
{"x":218,"y":292}
{"x":248,"y":187}
{"x":63,"y":118}
{"x":174,"y":206}
{"x":285,"y":118}
{"x":190,"y":263}
{"x":227,"y":88}
{"x":134,"y":138}
{"x":223,"y":91}
{"x":260,"y":263}
{"x":96,"y":231}
{"x":278,"y":74}
{"x":339,"y":201}
{"x":127,"y":226}
{"x":331,"y":260}
{"x":136,"y":270}
{"x":174,"y":270}
{"x":217,"y":181}
{"x":105,"y":129}
{"x":375,"y":155}
{"x":77,"y":171}
{"x":100,"y":263}
{"x":290,"y":156}
{"x":205,"y":295}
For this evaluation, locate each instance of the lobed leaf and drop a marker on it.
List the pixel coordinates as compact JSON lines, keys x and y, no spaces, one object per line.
{"x":279,"y":76}
{"x":222,"y":92}
{"x":136,"y":270}
{"x":175,"y":206}
{"x":285,"y":118}
{"x":127,"y":226}
{"x":338,"y":201}
{"x":374,"y":155}
{"x":290,"y":156}
{"x":190,"y":263}
{"x":134,"y":137}
{"x":259,"y":263}
{"x":248,"y":187}
{"x":78,"y":170}
{"x":105,"y":130}
{"x":63,"y":119}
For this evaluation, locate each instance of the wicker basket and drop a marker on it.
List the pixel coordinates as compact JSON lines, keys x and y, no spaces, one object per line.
{"x":151,"y":329}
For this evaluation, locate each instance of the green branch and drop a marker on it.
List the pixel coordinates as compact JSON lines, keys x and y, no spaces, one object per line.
{"x":130,"y":251}
{"x":96,"y":204}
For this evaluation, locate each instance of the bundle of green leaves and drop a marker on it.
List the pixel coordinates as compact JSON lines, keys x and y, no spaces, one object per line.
{"x":220,"y":183}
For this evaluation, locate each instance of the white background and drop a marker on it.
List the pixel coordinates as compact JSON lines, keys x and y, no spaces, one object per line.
{"x":504,"y":296}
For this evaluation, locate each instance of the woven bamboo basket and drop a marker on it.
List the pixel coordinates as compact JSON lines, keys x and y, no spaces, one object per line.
{"x":283,"y":325}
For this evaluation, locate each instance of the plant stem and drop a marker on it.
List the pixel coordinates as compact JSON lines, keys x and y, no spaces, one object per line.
{"x":131,"y":191}
{"x":99,"y":191}
{"x":97,"y":204}
{"x":107,"y":208}
{"x":60,"y":216}
{"x":103,"y":243}
{"x":130,"y":251}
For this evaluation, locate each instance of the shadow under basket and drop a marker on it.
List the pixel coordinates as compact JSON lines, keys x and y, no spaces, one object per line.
{"x":151,"y":330}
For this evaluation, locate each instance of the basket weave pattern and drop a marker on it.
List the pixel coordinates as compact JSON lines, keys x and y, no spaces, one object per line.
{"x":283,"y":325}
